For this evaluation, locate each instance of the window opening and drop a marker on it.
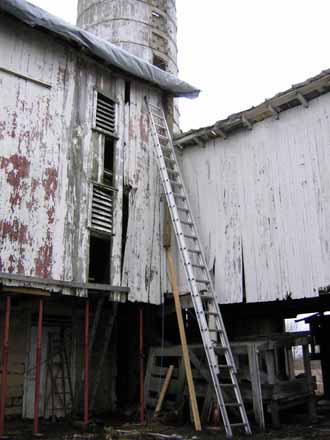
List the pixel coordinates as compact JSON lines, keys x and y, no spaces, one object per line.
{"x":108,"y":161}
{"x":159,"y":62}
{"x":99,"y":260}
{"x":124,"y":222}
{"x":127,"y":92}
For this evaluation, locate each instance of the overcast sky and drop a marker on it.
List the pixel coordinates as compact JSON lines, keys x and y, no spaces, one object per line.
{"x":239,"y":52}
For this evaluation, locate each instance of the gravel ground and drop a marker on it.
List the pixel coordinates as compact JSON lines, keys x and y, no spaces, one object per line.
{"x":20,"y":430}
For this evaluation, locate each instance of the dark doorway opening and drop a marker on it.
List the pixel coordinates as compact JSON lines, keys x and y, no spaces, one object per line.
{"x":99,"y":260}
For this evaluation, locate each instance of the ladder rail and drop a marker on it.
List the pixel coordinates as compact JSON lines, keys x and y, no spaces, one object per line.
{"x":181,"y":240}
{"x":180,"y":234}
{"x":189,"y":264}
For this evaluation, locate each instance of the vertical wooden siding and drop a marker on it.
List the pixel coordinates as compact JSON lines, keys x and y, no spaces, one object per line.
{"x":49,"y":154}
{"x":266,"y":192}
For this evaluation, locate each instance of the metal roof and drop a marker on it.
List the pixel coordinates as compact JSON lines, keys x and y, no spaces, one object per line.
{"x":97,"y":47}
{"x":298,"y":94}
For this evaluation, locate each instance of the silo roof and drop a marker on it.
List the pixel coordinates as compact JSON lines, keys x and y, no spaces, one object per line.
{"x":106,"y":52}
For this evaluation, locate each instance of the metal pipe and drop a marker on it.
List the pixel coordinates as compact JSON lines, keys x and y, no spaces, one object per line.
{"x":5,"y":352}
{"x":86,"y":364}
{"x":142,"y":418}
{"x":38,"y":369}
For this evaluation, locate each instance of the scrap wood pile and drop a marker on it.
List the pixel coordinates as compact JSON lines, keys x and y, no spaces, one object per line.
{"x":139,"y":432}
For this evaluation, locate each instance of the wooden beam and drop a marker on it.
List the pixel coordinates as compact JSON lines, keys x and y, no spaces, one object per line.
{"x":246,"y":122}
{"x":302,"y":100}
{"x":26,"y":77}
{"x":185,"y":352}
{"x":164,"y":389}
{"x":59,"y":283}
{"x":274,"y":111}
{"x":219,"y":131}
{"x":24,"y":290}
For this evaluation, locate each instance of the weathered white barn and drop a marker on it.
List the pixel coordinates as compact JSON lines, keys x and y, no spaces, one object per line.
{"x":258,"y":184}
{"x":55,"y":138}
{"x":81,"y":212}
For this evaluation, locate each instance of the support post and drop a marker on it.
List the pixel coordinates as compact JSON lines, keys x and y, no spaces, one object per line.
{"x":142,"y":418}
{"x":86,"y":364}
{"x":38,"y":369}
{"x":258,"y":408}
{"x":183,"y":339}
{"x":5,"y":352}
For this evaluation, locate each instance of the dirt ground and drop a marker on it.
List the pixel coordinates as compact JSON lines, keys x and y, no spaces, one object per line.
{"x":20,"y":430}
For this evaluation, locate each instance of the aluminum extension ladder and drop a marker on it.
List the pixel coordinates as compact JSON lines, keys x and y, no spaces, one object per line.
{"x":216,"y":345}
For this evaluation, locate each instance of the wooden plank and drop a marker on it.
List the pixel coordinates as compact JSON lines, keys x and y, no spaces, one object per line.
{"x":183,"y":339}
{"x":155,"y":384}
{"x":164,"y":390}
{"x":147,"y":379}
{"x":270,"y":365}
{"x":161,"y":371}
{"x":24,"y":291}
{"x":290,"y":363}
{"x":204,"y":372}
{"x":308,"y":373}
{"x":107,"y":338}
{"x":206,"y":411}
{"x":60,"y":283}
{"x":26,"y":77}
{"x":256,"y":387}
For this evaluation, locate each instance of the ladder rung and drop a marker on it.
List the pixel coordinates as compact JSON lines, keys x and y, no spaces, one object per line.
{"x":167,"y":153}
{"x":173,"y":182}
{"x":214,"y":339}
{"x":192,"y":237}
{"x":179,"y":196}
{"x":207,"y":297}
{"x":154,"y":106}
{"x":169,"y":160}
{"x":157,"y":114}
{"x":182,"y":209}
{"x":159,"y":117}
{"x":236,"y":425}
{"x":160,"y":126}
{"x":193,"y":251}
{"x":187,"y":223}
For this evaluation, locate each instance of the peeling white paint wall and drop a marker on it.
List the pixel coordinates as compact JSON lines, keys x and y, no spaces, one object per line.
{"x":49,"y":154}
{"x":266,"y":193}
{"x":144,"y":254}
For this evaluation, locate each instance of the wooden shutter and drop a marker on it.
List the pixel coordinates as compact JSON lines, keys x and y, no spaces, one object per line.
{"x":105,"y":115}
{"x":102,"y":204}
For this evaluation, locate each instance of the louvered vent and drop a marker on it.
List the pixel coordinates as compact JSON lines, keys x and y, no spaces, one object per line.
{"x":106,"y":115}
{"x":102,"y":209}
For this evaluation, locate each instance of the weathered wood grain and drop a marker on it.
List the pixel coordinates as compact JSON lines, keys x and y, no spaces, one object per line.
{"x":265,"y":192}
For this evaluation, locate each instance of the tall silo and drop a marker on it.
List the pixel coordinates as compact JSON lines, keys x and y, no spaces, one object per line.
{"x":146,"y":28}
